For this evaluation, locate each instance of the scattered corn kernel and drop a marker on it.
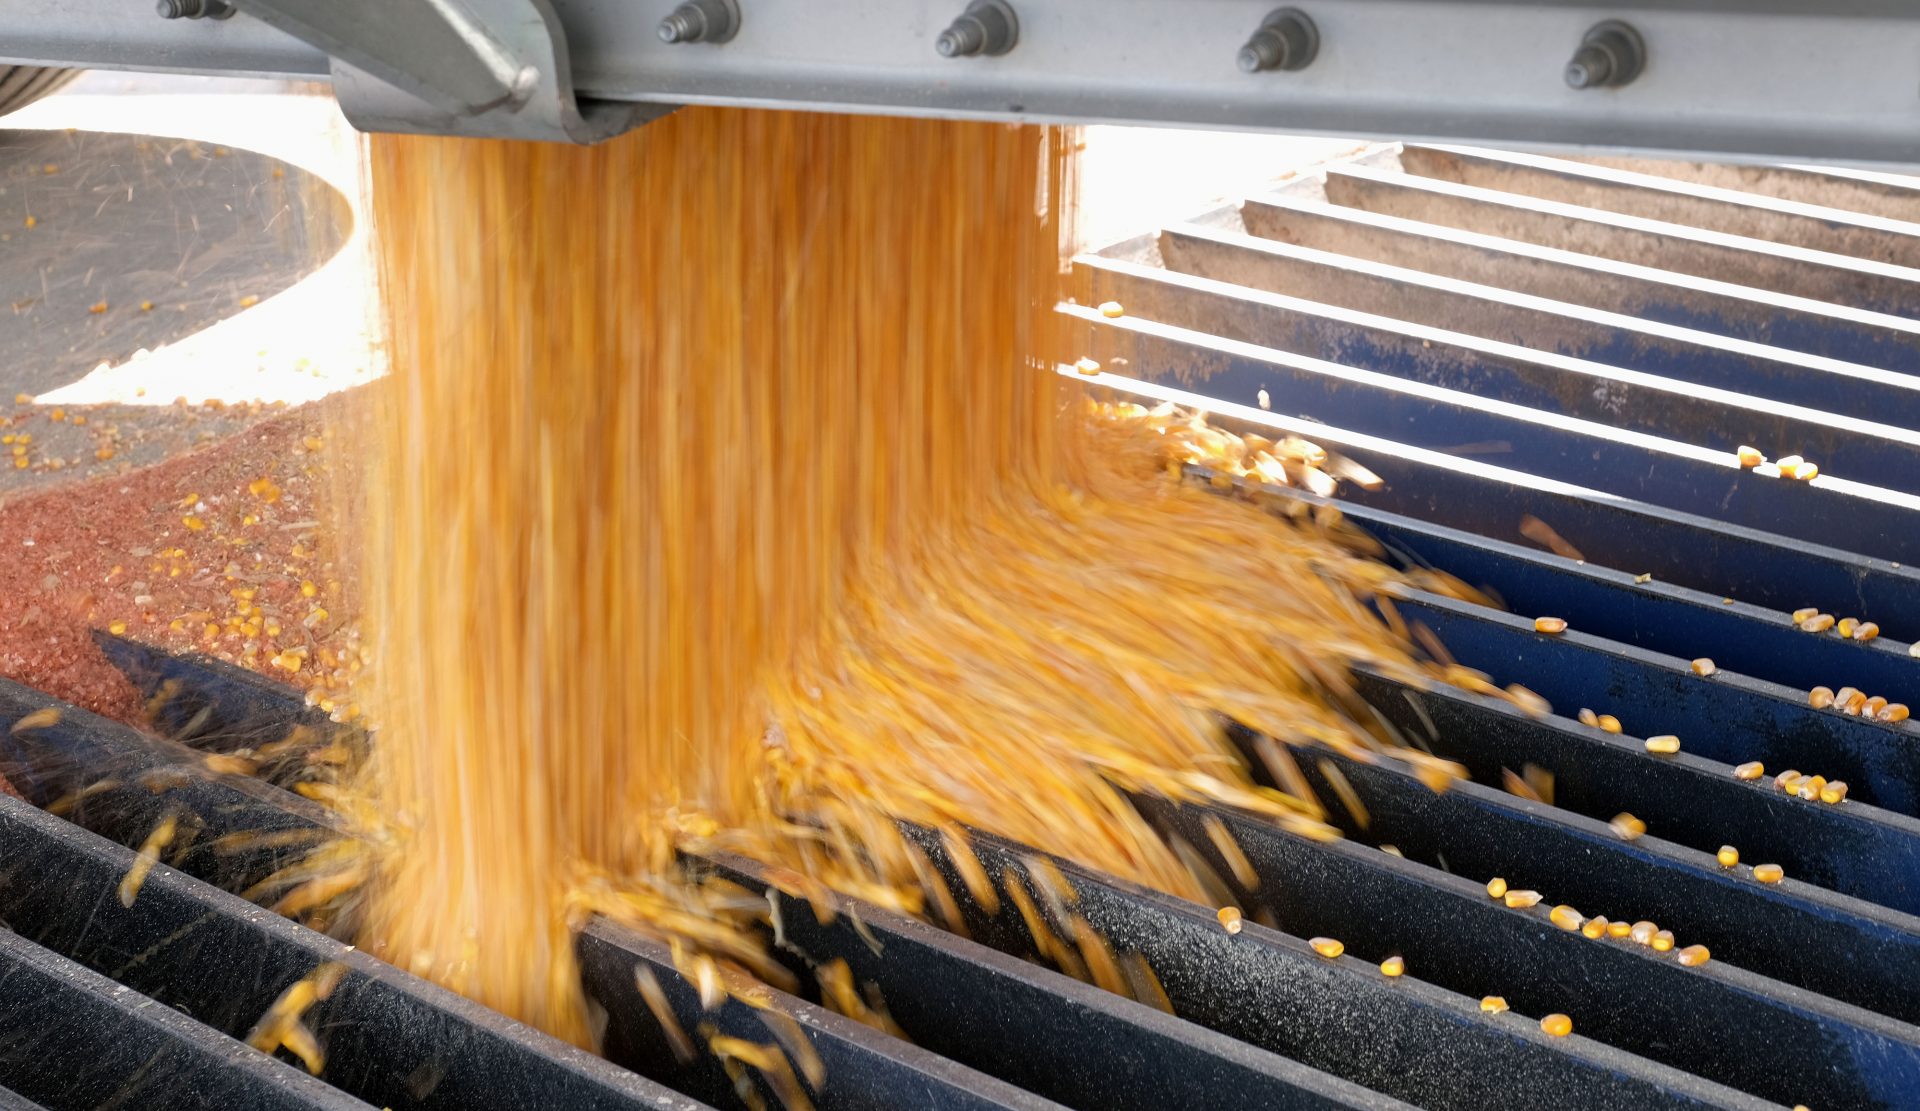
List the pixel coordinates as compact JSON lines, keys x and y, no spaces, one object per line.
{"x":1787,"y":463}
{"x":1788,"y":781}
{"x":118,"y":628}
{"x":1230,"y":919}
{"x":1769,"y":873}
{"x":1693,"y":955}
{"x":194,"y":524}
{"x":249,"y":301}
{"x":1609,"y":723}
{"x":1806,"y":614}
{"x":1493,"y":1004}
{"x":1558,"y":1025}
{"x":1549,"y":624}
{"x":1520,"y":900}
{"x":1087,"y":366}
{"x":1327,"y":947}
{"x":1393,"y":966}
{"x":1846,"y":626}
{"x":1750,"y":456}
{"x":1893,"y":711}
{"x":97,"y":307}
{"x":1728,"y":856}
{"x":1704,"y":667}
{"x":1627,"y":827}
{"x":1820,"y":697}
{"x":1866,"y":630}
{"x":1805,"y":471}
{"x":1112,"y":310}
{"x":1662,"y":940}
{"x":1666,"y":744}
{"x":1496,"y":887}
{"x":1619,"y":929}
{"x":1819,"y":623}
{"x":1566,"y":918}
{"x":1588,"y":717}
{"x":1595,"y":927}
{"x":38,"y":719}
{"x":1642,"y":932}
{"x":1834,"y":792}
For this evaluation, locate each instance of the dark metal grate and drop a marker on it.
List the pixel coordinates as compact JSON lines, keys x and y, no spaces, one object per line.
{"x":1497,"y":336}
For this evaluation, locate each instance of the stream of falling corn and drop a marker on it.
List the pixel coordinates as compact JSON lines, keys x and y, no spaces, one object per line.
{"x":724,"y":497}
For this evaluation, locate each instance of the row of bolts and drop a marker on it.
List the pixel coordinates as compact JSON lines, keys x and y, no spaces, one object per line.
{"x":1610,"y":54}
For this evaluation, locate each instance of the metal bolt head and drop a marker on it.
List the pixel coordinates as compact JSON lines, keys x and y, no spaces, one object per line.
{"x":986,"y":27}
{"x":1287,"y":40}
{"x":1610,"y":55}
{"x":710,"y":21}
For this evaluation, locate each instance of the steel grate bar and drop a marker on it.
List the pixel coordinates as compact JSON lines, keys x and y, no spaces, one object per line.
{"x":1797,"y":223}
{"x":1626,"y":995}
{"x":1687,"y":412}
{"x":1228,"y":254}
{"x":1725,"y":308}
{"x":1853,"y":849}
{"x":1044,"y":1031}
{"x":1752,"y":263}
{"x":1868,"y":955}
{"x":1731,"y":721}
{"x":1828,"y":510}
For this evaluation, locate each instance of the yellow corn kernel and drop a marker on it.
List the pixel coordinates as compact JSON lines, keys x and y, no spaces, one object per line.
{"x":1550,"y":625}
{"x":1846,"y":626}
{"x":1327,"y":947}
{"x":1693,"y":955}
{"x":44,"y":717}
{"x":1662,"y":940}
{"x":1558,"y":1025}
{"x":1393,"y":966}
{"x":222,"y":763}
{"x":1807,"y":613}
{"x":1834,"y":792}
{"x":1642,"y":932}
{"x":1872,"y":706}
{"x":1857,"y":704}
{"x":1787,"y":463}
{"x":1493,"y":1004}
{"x":1819,"y":623}
{"x":1112,"y":310}
{"x":1609,"y":723}
{"x":1627,"y":827}
{"x":194,"y":524}
{"x":1703,"y":667}
{"x":1788,"y":780}
{"x":1810,"y":787}
{"x":1845,"y":697}
{"x":146,"y":306}
{"x":1806,"y":472}
{"x":1087,"y":366}
{"x":307,"y":589}
{"x":1728,"y":856}
{"x":1750,"y":456}
{"x":1769,"y":873}
{"x":1230,"y":919}
{"x":1665,"y":744}
{"x":118,"y":628}
{"x":1595,"y":927}
{"x":1519,"y":900}
{"x":1893,"y":711}
{"x":1619,"y":929}
{"x":1820,"y":697}
{"x":249,"y":301}
{"x":1588,"y":717}
{"x":1496,"y":887}
{"x":1566,"y":918}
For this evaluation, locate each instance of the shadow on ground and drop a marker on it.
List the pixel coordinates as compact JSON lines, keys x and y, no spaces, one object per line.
{"x":91,"y":219}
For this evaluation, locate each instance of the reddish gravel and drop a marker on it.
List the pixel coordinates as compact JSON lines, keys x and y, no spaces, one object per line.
{"x":227,"y":549}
